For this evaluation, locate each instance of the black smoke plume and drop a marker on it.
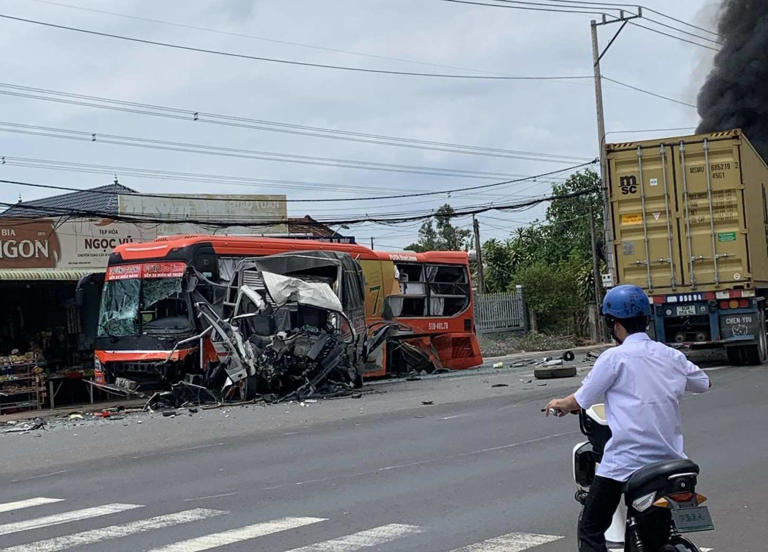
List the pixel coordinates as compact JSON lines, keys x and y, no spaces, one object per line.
{"x":735,"y":94}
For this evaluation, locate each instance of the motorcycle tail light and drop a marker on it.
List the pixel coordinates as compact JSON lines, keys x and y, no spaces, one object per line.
{"x":680,"y":497}
{"x":644,"y":502}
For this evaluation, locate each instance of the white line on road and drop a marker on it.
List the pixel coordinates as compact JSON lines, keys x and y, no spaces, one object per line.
{"x":622,"y":550}
{"x":50,"y":474}
{"x":232,"y":536}
{"x":115,"y":531}
{"x":512,"y":542}
{"x":66,"y":517}
{"x":363,"y":539}
{"x":19,"y":504}
{"x":427,"y":462}
{"x":221,"y":495}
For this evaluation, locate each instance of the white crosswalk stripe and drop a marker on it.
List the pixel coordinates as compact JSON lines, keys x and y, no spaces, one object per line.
{"x":363,"y":539}
{"x":115,"y":531}
{"x":511,"y":542}
{"x":622,"y":550}
{"x":30,"y":502}
{"x":232,"y":536}
{"x":66,"y":517}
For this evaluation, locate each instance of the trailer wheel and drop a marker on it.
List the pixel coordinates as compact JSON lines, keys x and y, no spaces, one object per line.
{"x":734,"y":355}
{"x":751,"y":354}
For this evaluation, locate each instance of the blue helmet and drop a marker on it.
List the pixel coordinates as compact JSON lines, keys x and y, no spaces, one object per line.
{"x":626,"y":302}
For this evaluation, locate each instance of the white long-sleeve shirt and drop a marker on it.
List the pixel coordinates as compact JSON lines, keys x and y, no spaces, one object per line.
{"x":642,"y":382}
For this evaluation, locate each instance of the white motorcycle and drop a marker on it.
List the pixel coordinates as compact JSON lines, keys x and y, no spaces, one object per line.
{"x":660,"y":500}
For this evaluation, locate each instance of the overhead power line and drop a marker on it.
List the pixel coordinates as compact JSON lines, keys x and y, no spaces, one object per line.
{"x":313,"y":200}
{"x":207,"y":149}
{"x":622,"y":5}
{"x":190,"y":115}
{"x":158,"y":174}
{"x":263,"y":38}
{"x":279,"y":60}
{"x":250,"y":222}
{"x":650,"y":93}
{"x":589,"y":8}
{"x":673,"y":36}
{"x":531,"y":7}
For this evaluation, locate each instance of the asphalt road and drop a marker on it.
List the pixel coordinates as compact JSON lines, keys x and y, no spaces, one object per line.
{"x":479,"y":469}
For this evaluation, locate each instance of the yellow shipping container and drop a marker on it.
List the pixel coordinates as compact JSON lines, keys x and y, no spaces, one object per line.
{"x":690,"y":213}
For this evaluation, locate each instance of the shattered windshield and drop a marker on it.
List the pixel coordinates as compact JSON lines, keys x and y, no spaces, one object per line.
{"x":119,"y":314}
{"x":133,"y":306}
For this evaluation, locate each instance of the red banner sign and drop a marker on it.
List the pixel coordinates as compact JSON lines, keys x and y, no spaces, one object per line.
{"x":146,"y":270}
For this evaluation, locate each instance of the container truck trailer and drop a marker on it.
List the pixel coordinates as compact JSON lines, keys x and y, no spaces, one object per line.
{"x":690,"y":215}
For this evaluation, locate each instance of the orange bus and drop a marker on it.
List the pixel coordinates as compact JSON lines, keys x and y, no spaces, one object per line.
{"x":146,"y":317}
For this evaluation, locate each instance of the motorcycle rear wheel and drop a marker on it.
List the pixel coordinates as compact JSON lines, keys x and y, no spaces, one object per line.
{"x":681,"y":544}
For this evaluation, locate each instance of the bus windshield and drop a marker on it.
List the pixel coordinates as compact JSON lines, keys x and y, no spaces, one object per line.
{"x":133,"y":306}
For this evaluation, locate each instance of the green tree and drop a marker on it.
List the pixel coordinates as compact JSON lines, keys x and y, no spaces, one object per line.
{"x":552,"y":259}
{"x":438,"y":234}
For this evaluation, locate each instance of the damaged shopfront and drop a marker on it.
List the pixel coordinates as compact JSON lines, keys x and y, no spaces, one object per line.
{"x":52,"y":270}
{"x":49,"y":298}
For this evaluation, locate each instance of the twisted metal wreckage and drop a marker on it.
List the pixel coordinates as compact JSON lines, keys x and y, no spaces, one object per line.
{"x":286,"y":325}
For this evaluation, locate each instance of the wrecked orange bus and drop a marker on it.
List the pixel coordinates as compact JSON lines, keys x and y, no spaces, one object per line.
{"x":147,"y":319}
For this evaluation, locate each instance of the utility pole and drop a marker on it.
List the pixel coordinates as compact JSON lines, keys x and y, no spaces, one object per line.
{"x":623,"y":18}
{"x":372,"y":242}
{"x":478,"y":256}
{"x":597,"y":329}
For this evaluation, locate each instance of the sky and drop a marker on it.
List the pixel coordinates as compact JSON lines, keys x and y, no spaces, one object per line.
{"x":547,"y":118}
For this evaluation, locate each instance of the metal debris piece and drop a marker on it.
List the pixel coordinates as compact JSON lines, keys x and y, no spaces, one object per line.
{"x":500,"y":385}
{"x":427,"y":403}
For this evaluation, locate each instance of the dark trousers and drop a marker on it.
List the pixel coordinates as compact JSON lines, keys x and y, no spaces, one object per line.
{"x":602,"y":501}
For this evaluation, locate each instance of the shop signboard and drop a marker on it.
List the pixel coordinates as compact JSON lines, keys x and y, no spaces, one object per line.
{"x":67,"y":248}
{"x":260,"y":210}
{"x":80,"y":244}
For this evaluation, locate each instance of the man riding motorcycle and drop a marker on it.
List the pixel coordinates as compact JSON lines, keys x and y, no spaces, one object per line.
{"x":642,"y":382}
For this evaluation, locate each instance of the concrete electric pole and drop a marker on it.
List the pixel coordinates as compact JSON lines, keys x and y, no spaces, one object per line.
{"x":596,"y":57}
{"x":478,"y":256}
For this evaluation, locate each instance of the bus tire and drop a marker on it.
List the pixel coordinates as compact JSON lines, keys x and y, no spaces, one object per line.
{"x":554,"y":372}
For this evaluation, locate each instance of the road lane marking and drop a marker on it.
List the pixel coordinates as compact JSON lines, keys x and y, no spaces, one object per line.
{"x":622,"y":550}
{"x":42,"y":475}
{"x":66,"y":517}
{"x":511,"y":542}
{"x":363,"y":539}
{"x":30,"y":502}
{"x":115,"y":531}
{"x":426,"y":462}
{"x":221,"y":495}
{"x":232,"y":536}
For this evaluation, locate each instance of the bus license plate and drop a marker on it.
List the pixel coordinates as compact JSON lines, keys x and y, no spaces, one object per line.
{"x":686,"y":310}
{"x":689,"y":520}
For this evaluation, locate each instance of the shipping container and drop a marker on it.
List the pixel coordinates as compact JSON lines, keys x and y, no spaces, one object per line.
{"x":690,"y":219}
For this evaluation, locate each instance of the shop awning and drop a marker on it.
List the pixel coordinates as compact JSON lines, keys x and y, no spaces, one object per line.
{"x":44,"y":274}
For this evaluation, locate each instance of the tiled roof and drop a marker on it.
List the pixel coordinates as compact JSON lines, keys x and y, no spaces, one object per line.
{"x":101,"y":200}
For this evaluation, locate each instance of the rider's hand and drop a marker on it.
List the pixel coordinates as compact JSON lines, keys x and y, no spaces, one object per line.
{"x":557,"y":407}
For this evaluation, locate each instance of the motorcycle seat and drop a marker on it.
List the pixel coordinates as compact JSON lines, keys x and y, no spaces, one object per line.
{"x":656,"y":476}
